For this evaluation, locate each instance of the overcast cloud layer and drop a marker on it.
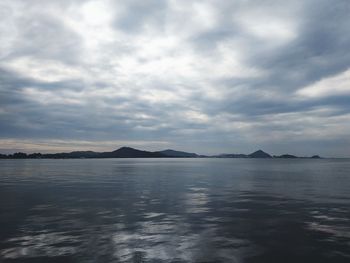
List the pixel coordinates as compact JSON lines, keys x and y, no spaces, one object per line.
{"x":205,"y":76}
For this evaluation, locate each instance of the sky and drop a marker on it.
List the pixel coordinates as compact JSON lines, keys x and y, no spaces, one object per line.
{"x":201,"y":76}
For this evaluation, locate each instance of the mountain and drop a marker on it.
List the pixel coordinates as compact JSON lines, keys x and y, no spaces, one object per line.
{"x":259,"y":154}
{"x":173,"y":153}
{"x":128,"y":152}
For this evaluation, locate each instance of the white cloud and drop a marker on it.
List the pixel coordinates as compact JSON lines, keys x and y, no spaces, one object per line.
{"x":43,"y":70}
{"x":270,"y":24}
{"x":331,"y":86}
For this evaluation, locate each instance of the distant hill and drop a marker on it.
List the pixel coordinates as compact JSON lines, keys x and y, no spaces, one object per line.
{"x":128,"y":152}
{"x":259,"y":154}
{"x":124,"y":152}
{"x":173,"y":153}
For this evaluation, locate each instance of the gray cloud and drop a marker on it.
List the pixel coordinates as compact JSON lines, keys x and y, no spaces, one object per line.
{"x":136,"y":15}
{"x":206,"y":76}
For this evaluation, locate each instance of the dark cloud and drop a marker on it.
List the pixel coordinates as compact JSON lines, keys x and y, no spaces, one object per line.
{"x":318,"y":50}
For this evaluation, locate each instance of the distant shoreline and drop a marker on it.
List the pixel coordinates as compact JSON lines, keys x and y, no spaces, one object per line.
{"x":128,"y":152}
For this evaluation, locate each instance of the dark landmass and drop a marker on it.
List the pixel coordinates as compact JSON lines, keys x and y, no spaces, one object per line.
{"x":287,"y":156}
{"x":259,"y":154}
{"x":128,"y":152}
{"x":172,"y":153}
{"x":231,"y":155}
{"x":315,"y":157}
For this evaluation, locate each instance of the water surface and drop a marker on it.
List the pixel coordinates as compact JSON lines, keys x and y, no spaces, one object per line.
{"x":175,"y":210}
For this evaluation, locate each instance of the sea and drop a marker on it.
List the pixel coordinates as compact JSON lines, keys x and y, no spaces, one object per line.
{"x":175,"y":210}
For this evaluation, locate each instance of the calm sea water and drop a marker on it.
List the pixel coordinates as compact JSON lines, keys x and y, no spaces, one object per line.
{"x":175,"y":210}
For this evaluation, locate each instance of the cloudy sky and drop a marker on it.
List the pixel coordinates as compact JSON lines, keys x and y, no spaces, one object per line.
{"x":208,"y":76}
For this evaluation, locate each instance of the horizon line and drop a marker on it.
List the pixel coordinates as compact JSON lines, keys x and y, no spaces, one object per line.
{"x":192,"y":152}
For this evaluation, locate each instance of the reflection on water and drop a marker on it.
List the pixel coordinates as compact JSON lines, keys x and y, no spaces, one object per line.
{"x":174,"y":210}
